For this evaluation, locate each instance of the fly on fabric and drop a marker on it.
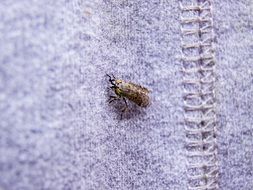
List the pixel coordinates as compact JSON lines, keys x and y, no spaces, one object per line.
{"x":128,"y":90}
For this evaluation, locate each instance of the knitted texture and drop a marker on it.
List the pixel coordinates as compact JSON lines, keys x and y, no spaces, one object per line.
{"x":58,"y":132}
{"x":233,"y":22}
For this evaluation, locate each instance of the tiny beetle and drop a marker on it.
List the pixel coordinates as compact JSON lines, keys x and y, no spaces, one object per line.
{"x":128,"y":90}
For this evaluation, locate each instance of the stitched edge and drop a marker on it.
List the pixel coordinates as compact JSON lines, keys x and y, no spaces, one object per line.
{"x":199,"y":98}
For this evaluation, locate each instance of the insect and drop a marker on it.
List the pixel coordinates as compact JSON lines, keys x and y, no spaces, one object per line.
{"x":128,"y":90}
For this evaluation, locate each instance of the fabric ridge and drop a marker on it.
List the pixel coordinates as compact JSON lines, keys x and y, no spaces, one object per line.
{"x":199,"y":93}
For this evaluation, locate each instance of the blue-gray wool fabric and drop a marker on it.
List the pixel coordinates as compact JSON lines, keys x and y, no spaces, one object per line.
{"x":57,"y":129}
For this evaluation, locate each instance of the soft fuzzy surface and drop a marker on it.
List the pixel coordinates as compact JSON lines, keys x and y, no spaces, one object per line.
{"x":234,"y":37}
{"x":58,"y":132}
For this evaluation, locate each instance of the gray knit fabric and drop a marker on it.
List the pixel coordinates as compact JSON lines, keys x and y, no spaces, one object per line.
{"x":234,"y":51}
{"x":58,"y":132}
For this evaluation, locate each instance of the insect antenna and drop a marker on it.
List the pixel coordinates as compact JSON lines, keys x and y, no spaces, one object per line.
{"x":111,"y":80}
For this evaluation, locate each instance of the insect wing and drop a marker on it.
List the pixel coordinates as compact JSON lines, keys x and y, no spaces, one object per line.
{"x":137,"y":94}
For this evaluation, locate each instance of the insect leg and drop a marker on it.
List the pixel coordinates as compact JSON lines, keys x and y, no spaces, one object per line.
{"x":125,"y":108}
{"x":113,"y":98}
{"x":113,"y":87}
{"x":125,"y":101}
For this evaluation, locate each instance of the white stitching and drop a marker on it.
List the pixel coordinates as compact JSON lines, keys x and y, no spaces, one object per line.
{"x":199,"y":94}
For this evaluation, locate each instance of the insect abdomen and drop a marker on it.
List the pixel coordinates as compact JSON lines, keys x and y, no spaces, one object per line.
{"x":140,"y":99}
{"x":136,"y":94}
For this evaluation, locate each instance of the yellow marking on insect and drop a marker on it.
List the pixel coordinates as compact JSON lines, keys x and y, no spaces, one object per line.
{"x":128,"y":90}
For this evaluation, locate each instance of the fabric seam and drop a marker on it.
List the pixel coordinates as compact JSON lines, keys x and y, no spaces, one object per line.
{"x":200,"y":117}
